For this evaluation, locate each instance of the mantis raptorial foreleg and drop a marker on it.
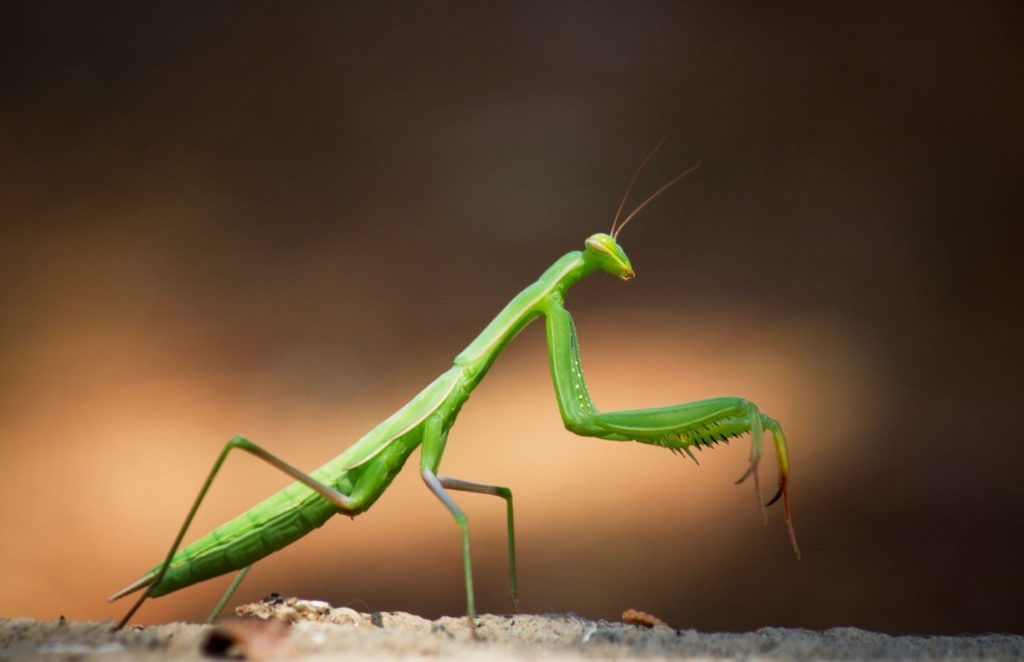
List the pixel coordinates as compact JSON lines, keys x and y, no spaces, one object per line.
{"x":151,"y":580}
{"x":677,"y":427}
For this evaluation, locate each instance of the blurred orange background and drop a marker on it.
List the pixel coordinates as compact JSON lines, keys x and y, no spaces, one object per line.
{"x":284,"y":221}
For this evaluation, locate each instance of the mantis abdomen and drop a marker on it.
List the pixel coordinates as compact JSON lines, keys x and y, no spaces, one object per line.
{"x":267,"y":527}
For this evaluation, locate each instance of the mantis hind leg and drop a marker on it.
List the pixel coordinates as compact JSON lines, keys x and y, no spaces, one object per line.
{"x":223,"y":602}
{"x":151,"y":580}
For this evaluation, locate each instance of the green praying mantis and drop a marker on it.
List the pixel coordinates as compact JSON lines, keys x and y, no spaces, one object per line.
{"x":351,"y":483}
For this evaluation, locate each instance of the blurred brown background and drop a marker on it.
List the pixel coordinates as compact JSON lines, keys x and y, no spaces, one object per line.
{"x":283,"y":221}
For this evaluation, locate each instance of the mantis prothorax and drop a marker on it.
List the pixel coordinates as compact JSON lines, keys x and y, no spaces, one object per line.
{"x":353,"y":481}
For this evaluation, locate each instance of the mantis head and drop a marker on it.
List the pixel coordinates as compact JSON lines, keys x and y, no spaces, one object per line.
{"x":603,"y":252}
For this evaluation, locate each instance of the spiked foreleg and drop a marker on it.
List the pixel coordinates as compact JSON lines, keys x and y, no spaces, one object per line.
{"x":676,"y":427}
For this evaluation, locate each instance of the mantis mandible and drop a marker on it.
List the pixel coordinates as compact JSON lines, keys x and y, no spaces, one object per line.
{"x":351,"y":483}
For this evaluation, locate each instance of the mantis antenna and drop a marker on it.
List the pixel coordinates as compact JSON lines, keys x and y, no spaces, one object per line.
{"x":625,"y":196}
{"x":616,"y":226}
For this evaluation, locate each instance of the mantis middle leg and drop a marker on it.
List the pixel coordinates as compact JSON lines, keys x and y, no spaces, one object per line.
{"x":506,"y":494}
{"x":434,"y":438}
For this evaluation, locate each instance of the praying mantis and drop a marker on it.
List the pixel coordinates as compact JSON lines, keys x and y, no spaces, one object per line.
{"x":351,"y":483}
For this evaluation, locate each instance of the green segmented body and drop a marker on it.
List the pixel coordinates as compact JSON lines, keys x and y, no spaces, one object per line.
{"x":364,"y":471}
{"x":291,"y":513}
{"x":296,"y":510}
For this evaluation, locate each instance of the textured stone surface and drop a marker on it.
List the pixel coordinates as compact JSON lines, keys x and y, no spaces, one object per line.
{"x":307,"y":630}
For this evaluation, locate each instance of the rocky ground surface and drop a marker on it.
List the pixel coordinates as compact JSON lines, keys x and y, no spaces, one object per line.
{"x":286,"y":628}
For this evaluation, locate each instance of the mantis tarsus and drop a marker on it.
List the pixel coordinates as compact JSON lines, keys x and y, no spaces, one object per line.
{"x":353,"y":481}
